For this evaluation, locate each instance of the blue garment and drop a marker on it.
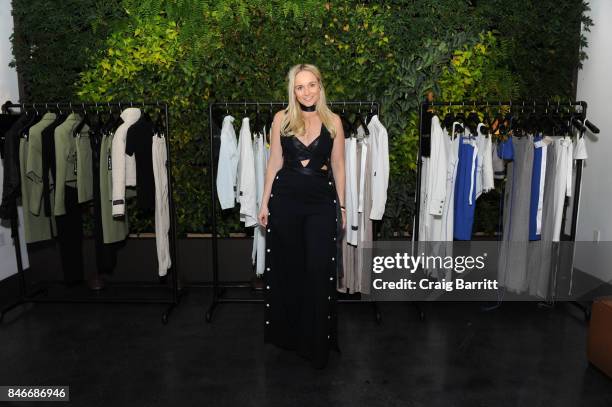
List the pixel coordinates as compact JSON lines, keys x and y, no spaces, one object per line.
{"x":465,"y":189}
{"x":536,"y":176}
{"x":505,"y":149}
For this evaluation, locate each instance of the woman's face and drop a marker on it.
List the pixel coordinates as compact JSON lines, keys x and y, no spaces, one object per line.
{"x":307,"y":89}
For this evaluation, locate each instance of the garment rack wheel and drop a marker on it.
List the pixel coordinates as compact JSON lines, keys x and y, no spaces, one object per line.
{"x":377,"y":314}
{"x":209,"y":313}
{"x":9,"y":308}
{"x":419,"y":310}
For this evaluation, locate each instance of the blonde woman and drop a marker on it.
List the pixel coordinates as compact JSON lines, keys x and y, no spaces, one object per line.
{"x":301,"y":207}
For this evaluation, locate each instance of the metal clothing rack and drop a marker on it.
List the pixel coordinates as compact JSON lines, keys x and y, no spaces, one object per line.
{"x":548,"y":104}
{"x":217,"y":286}
{"x":173,"y":299}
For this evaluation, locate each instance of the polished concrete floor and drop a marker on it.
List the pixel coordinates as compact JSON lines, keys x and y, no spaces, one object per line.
{"x":460,"y":355}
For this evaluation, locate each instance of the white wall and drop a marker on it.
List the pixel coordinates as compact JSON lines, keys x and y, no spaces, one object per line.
{"x":8,"y":91}
{"x":595,"y":87}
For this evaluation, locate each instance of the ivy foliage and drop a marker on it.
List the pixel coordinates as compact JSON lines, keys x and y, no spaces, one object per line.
{"x":53,"y":41}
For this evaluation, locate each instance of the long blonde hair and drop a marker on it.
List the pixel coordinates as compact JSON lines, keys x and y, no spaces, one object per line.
{"x":293,"y":121}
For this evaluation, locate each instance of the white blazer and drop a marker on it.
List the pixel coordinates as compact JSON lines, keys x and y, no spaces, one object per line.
{"x":228,"y":164}
{"x":380,"y":167}
{"x":247,"y":189}
{"x":124,"y":166}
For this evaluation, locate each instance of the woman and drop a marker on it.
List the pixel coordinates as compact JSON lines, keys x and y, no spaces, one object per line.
{"x":300,"y":213}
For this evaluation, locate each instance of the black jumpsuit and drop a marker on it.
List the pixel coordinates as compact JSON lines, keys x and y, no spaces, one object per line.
{"x":301,"y":252}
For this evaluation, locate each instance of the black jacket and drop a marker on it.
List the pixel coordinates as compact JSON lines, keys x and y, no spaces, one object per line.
{"x":11,"y":182}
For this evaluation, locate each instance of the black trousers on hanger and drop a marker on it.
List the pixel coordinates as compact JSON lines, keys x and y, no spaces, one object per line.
{"x":70,"y":237}
{"x":106,"y":254}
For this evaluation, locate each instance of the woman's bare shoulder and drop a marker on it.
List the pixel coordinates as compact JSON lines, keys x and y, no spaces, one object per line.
{"x":278,"y":116}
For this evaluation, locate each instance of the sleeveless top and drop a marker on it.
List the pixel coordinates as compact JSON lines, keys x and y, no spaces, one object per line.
{"x":318,"y":151}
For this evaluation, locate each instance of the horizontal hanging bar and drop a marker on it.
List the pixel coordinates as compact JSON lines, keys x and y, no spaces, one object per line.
{"x":510,"y":103}
{"x":364,"y":103}
{"x":82,"y":104}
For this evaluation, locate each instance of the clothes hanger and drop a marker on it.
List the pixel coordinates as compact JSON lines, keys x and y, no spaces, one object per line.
{"x":473,"y":120}
{"x":448,"y":120}
{"x":360,"y":122}
{"x":346,"y":124}
{"x":35,"y":118}
{"x":371,"y":113}
{"x":160,"y":122}
{"x":84,"y":121}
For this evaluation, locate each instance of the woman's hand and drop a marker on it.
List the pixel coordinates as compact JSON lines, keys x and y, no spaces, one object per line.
{"x":262,"y":217}
{"x":343,"y":212}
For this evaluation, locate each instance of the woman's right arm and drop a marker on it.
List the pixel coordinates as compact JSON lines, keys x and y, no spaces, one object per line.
{"x":275,"y":163}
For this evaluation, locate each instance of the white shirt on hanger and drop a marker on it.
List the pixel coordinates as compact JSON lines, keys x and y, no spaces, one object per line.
{"x":246,"y":187}
{"x":484,"y":178}
{"x":380,"y":167}
{"x":563,"y":182}
{"x":228,"y":164}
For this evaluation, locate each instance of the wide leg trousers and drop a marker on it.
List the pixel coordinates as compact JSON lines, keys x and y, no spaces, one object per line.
{"x":301,"y":256}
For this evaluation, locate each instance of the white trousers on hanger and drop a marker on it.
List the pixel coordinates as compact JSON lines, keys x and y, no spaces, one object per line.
{"x":162,"y":209}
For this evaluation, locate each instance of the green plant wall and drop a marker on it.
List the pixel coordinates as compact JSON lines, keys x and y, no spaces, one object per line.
{"x":192,"y":52}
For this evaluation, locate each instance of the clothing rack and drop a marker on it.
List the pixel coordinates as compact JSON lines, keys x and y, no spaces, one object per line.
{"x":174,"y":298}
{"x":217,"y":285}
{"x":526,"y":104}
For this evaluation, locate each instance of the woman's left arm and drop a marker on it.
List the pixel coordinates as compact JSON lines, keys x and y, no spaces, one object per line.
{"x":337,"y":164}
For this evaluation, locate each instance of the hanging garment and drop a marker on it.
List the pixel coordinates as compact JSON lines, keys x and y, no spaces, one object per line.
{"x":49,"y":162}
{"x":465,"y":188}
{"x":65,"y":161}
{"x":512,"y":266}
{"x":366,"y":227}
{"x":301,"y":251}
{"x":434,"y":182}
{"x":138,"y":143}
{"x":580,"y":150}
{"x":124,"y":166}
{"x":11,"y":180}
{"x":245,"y":184}
{"x":227,"y":165}
{"x":34,"y":169}
{"x":538,"y":179}
{"x":258,"y":254}
{"x":84,"y":170}
{"x":6,"y":122}
{"x":349,"y":241}
{"x":70,"y":237}
{"x":499,"y":167}
{"x":563,"y":181}
{"x":162,"y":208}
{"x":36,"y":228}
{"x":484,"y":178}
{"x":542,"y":254}
{"x":505,"y":149}
{"x":114,"y":229}
{"x":380,"y":167}
{"x":579,"y":153}
{"x":106,"y":254}
{"x":439,"y":173}
{"x":351,"y":202}
{"x":356,"y":276}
